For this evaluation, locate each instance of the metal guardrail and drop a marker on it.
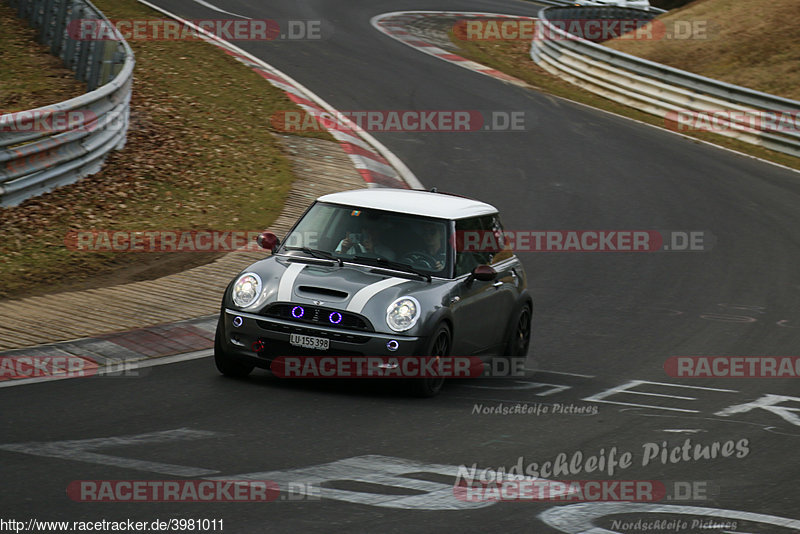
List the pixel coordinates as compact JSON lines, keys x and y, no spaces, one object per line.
{"x":44,"y":148}
{"x":571,"y":3}
{"x":655,"y":88}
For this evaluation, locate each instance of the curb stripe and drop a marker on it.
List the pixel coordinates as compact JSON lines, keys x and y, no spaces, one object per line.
{"x":356,"y":150}
{"x":378,"y":178}
{"x":394,"y":25}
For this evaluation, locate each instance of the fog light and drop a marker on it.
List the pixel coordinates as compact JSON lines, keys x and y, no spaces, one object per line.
{"x":237,"y":321}
{"x":393,"y":345}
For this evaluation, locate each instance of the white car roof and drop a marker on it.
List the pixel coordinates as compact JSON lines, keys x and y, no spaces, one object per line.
{"x":425,"y":203}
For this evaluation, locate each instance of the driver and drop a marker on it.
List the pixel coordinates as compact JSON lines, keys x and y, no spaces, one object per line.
{"x":367,"y":242}
{"x":433,"y":244}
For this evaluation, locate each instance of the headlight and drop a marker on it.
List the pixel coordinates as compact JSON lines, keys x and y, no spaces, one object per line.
{"x":402,"y":314}
{"x":246,"y":289}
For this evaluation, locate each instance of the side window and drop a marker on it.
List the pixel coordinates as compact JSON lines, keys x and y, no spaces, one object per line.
{"x":469,"y":239}
{"x":503,"y":249}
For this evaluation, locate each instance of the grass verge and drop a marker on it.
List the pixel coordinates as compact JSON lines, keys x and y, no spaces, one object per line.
{"x":29,"y":76}
{"x":200,"y":154}
{"x":753,"y":44}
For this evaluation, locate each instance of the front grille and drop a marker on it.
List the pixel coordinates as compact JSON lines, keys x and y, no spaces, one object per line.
{"x":332,"y":335}
{"x":317,"y":315}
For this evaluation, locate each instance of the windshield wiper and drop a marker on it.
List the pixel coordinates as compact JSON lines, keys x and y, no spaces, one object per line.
{"x":394,"y":265}
{"x":318,"y":254}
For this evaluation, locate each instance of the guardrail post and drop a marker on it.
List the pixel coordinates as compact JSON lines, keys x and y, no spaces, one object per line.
{"x":84,"y":50}
{"x":36,"y":19}
{"x":59,"y":27}
{"x":70,"y":50}
{"x":24,"y":10}
{"x":95,"y":64}
{"x":46,"y":27}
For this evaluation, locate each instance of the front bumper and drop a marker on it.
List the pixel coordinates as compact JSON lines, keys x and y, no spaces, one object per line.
{"x":271,"y":335}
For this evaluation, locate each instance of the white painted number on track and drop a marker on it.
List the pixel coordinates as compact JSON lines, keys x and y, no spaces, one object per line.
{"x":628,"y":389}
{"x":379,"y":470}
{"x":82,"y":451}
{"x":549,"y":389}
{"x":769,"y":403}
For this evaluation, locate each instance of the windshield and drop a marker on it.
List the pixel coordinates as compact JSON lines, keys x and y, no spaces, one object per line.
{"x":365,"y":236}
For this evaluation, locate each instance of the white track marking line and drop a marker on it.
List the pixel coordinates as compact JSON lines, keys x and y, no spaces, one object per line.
{"x":127,"y":365}
{"x":215,"y":8}
{"x":83,"y":451}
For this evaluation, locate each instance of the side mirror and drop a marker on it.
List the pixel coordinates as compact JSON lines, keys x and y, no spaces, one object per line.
{"x":268,"y":241}
{"x":484,"y":273}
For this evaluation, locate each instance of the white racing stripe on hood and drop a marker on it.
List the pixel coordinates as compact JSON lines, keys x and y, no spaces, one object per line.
{"x":287,"y":281}
{"x":361,"y":298}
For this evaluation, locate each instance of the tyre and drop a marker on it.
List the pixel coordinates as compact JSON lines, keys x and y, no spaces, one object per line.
{"x":225,"y":364}
{"x":439,"y":346}
{"x":519,"y":336}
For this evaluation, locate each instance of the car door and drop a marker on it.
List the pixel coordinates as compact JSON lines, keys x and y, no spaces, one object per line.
{"x":507,"y":283}
{"x":481,"y":309}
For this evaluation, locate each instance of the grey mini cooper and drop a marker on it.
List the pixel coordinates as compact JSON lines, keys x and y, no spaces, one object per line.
{"x":379,"y":273}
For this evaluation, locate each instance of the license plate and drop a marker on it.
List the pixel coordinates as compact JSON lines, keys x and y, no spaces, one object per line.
{"x":309,"y":342}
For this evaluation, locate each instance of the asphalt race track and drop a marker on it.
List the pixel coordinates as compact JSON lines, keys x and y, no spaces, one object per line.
{"x":604,"y":324}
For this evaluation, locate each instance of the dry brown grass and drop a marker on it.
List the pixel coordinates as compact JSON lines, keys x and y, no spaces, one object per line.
{"x":754,"y":43}
{"x":201,"y":154}
{"x":29,"y":76}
